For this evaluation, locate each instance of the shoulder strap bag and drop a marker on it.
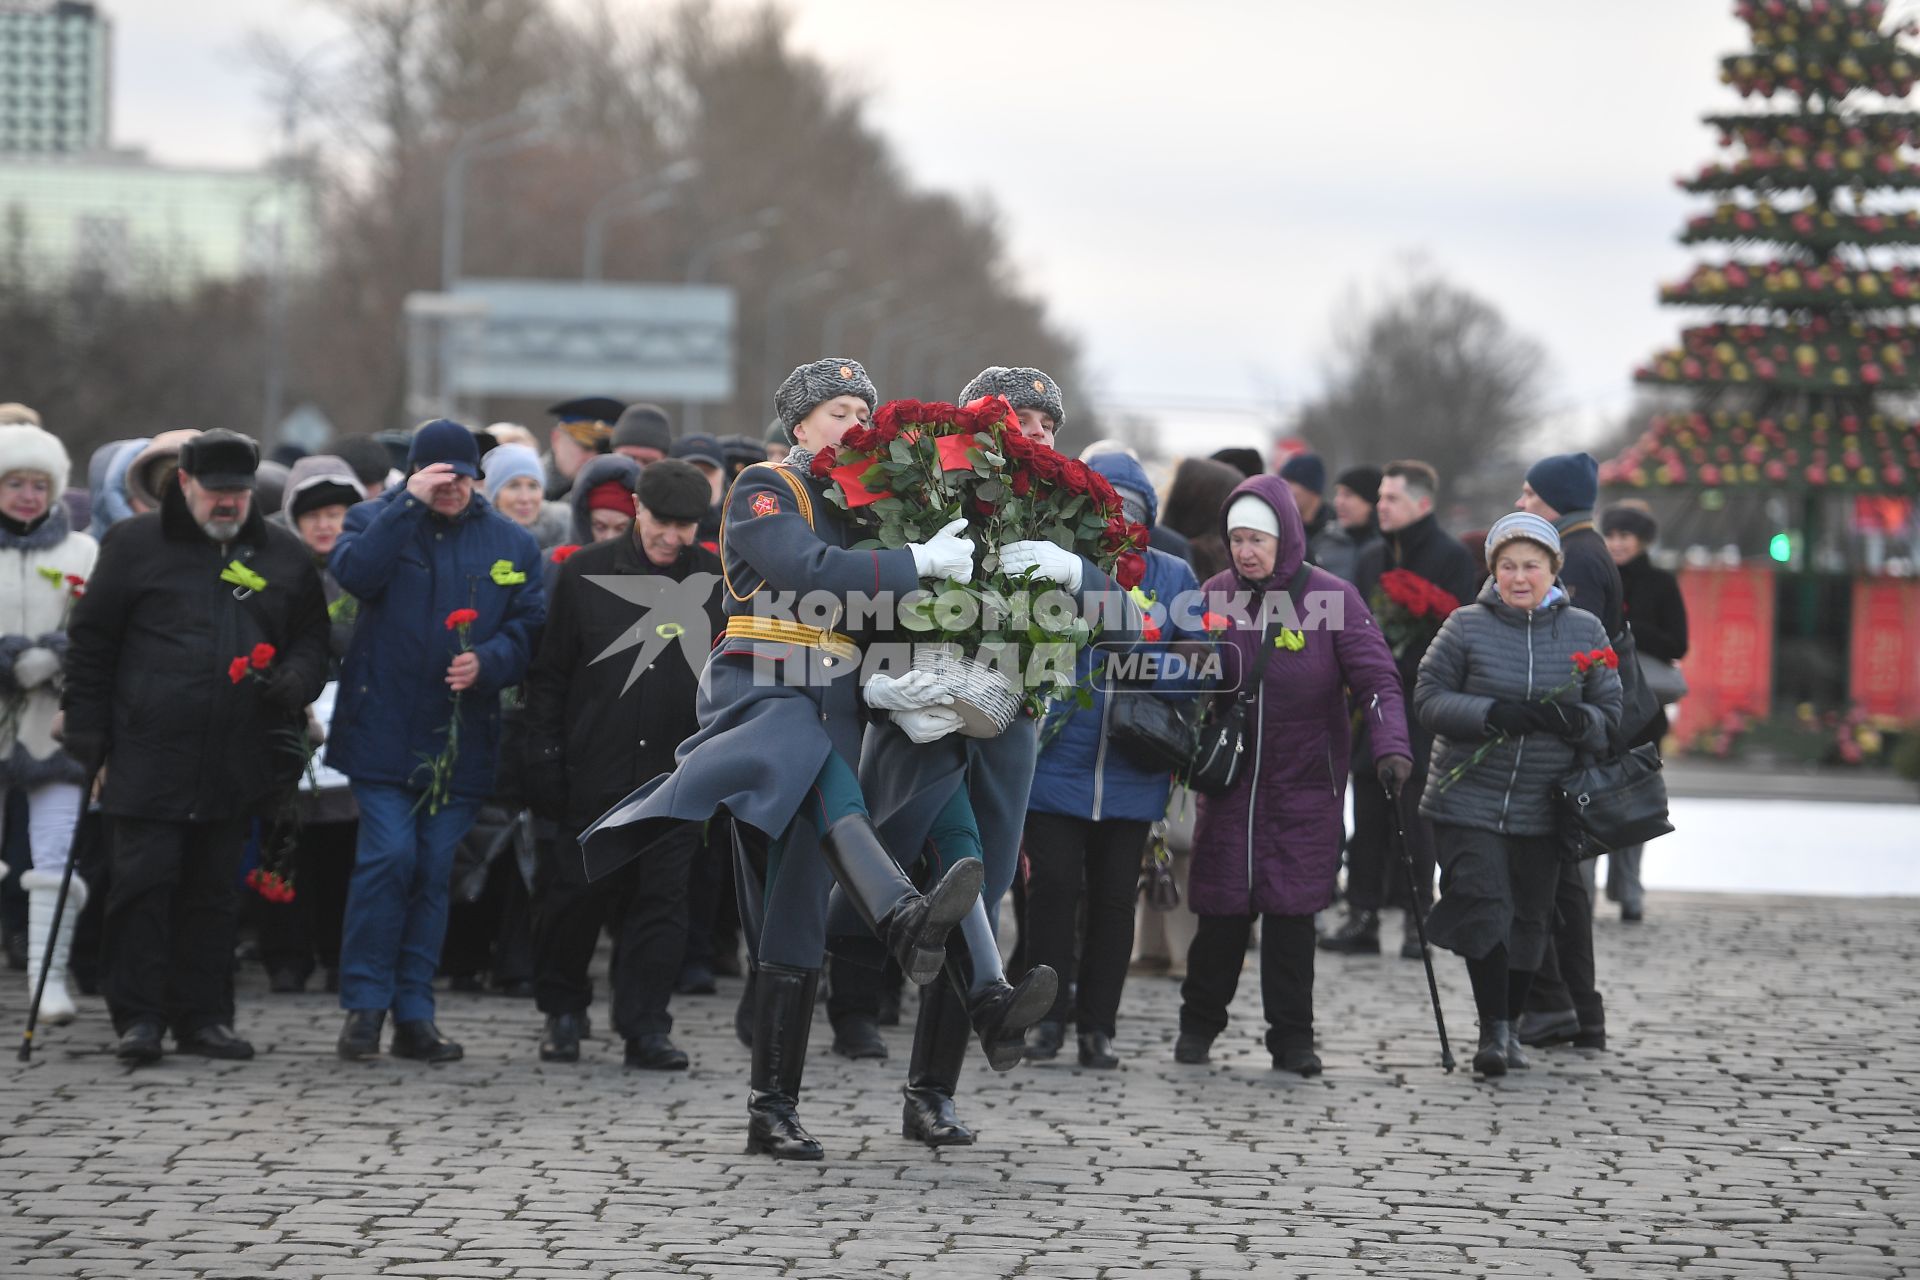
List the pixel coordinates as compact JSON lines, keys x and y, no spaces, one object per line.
{"x":1221,"y":744}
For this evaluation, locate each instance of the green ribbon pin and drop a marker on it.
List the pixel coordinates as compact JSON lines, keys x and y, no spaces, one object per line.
{"x":1290,"y":639}
{"x":505,"y":575}
{"x":54,"y":576}
{"x":241,"y":576}
{"x":669,"y":631}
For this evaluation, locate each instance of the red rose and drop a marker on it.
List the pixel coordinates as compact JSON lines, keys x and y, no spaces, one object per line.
{"x":1075,"y":476}
{"x":1139,"y":535}
{"x":983,"y":507}
{"x":860,"y":440}
{"x":237,"y":670}
{"x":462,"y":618}
{"x":823,"y":463}
{"x":1022,"y":483}
{"x":261,"y":657}
{"x":886,"y":419}
{"x":1047,"y":464}
{"x":1103,"y":492}
{"x":1130,"y":570}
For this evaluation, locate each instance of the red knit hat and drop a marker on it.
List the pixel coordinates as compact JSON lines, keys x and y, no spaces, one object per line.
{"x":611,"y":496}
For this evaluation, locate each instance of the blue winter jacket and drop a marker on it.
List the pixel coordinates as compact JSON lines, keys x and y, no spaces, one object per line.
{"x":410,"y":569}
{"x":1080,"y":773}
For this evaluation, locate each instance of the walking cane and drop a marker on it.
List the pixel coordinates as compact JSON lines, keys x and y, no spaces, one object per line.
{"x":1420,"y":930}
{"x":53,"y":934}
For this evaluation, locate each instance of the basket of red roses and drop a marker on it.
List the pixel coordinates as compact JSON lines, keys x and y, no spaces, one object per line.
{"x":920,"y":466}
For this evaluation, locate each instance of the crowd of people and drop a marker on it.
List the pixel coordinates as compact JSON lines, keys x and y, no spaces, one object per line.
{"x":427,"y":708}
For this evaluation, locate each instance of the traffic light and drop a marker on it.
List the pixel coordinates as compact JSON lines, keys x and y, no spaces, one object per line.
{"x":1781,"y":548}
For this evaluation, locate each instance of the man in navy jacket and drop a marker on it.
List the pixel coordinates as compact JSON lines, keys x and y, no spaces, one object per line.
{"x":450,"y":604}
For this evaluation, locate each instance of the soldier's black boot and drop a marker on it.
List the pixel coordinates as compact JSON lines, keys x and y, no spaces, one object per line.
{"x":1491,"y":1060}
{"x":940,"y":1037}
{"x":1000,"y":1012}
{"x":914,"y":926}
{"x":781,"y":1024}
{"x":1358,"y":934}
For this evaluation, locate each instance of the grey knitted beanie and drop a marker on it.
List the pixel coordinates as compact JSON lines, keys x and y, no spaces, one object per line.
{"x":816,"y":383}
{"x":1023,"y":389}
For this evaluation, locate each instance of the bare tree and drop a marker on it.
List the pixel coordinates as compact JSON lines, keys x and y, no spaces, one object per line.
{"x":1431,"y":371}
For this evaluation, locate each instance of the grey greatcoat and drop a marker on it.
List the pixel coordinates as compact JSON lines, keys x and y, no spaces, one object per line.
{"x":1488,"y":651}
{"x":769,"y":713}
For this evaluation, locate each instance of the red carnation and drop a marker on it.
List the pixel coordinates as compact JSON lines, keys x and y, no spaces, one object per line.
{"x":1608,"y":656}
{"x":261,"y":657}
{"x":237,"y":670}
{"x":1132,"y":567}
{"x":562,"y":554}
{"x":1149,"y":632}
{"x":462,"y":618}
{"x":1215,"y":621}
{"x":1583,"y":662}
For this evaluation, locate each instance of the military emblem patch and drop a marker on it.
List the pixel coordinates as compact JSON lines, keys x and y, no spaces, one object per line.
{"x":765,"y":504}
{"x":1040,"y":386}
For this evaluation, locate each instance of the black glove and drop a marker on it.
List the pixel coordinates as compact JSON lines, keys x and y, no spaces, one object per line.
{"x":1558,"y":719}
{"x":281,"y":688}
{"x":1509,"y":717}
{"x":1393,"y":772}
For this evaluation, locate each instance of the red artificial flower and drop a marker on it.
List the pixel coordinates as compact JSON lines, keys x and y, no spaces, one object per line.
{"x":261,"y":657}
{"x":1215,"y":621}
{"x":462,"y":618}
{"x":237,"y":670}
{"x":562,"y":554}
{"x":848,"y":478}
{"x":1131,"y":568}
{"x":953,"y":452}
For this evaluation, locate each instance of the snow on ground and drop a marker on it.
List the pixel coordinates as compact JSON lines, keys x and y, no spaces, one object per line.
{"x":1782,"y":846}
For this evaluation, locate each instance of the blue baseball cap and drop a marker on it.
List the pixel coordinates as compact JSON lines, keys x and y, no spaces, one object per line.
{"x":444,"y":440}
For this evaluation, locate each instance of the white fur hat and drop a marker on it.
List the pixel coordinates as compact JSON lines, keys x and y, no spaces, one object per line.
{"x":29,"y":448}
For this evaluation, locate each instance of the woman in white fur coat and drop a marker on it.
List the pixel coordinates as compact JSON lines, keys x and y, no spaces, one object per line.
{"x":44,"y":564}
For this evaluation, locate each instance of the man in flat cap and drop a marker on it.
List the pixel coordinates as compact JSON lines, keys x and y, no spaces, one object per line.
{"x":609,"y":699}
{"x":581,"y":429}
{"x":200,"y":640}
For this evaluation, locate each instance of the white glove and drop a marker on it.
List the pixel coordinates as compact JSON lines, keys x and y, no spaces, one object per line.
{"x":34,"y":667}
{"x":1052,"y":561}
{"x":945,"y":555}
{"x":910,"y":692}
{"x":928,"y":723}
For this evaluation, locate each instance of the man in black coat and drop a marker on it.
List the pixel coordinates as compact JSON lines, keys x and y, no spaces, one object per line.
{"x":610,"y":698}
{"x":1563,"y":1005}
{"x":1411,"y":539}
{"x":200,"y":640}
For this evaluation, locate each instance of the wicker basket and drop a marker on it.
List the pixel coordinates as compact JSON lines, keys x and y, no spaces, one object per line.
{"x":986,"y":700}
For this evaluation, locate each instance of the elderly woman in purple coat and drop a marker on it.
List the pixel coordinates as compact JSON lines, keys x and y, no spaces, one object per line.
{"x":1270,"y":846}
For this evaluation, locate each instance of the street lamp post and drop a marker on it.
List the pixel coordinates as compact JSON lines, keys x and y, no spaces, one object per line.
{"x":655,"y":192}
{"x":784,"y":291}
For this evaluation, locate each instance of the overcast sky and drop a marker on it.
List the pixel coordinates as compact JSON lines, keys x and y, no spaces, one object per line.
{"x":1194,"y":187}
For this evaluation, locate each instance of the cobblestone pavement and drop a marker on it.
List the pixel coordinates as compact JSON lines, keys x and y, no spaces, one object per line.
{"x":1755,"y":1117}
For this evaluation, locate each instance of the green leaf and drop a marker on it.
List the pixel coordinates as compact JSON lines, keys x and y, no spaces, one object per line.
{"x":991,"y":491}
{"x":892,"y":537}
{"x":900,"y":451}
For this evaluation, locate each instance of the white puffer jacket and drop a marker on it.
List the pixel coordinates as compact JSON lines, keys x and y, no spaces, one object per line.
{"x":37,"y":569}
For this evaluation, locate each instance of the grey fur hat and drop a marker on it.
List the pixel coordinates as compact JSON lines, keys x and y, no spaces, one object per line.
{"x":1023,"y":389}
{"x":818,"y":382}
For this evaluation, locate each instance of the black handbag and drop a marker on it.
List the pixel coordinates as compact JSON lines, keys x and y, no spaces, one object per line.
{"x":1153,"y":732}
{"x":1612,"y":804}
{"x":1221,"y":743}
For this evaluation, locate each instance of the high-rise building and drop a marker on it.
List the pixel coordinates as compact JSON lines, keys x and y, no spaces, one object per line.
{"x":54,"y":77}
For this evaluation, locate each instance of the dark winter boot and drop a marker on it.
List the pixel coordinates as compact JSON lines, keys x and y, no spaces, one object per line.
{"x":360,"y":1037}
{"x":1517,"y":1059}
{"x":913,"y":926}
{"x":781,"y":1025}
{"x":1045,"y":1040}
{"x":743,"y":1012}
{"x":561,"y":1043}
{"x":1491,"y":1060}
{"x":1000,"y":1013}
{"x":940,"y":1036}
{"x":1358,"y":934}
{"x":1540,"y":1029}
{"x":857,"y":1036}
{"x":1593,"y":1023}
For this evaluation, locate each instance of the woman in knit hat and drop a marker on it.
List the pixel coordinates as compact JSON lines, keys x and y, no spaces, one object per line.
{"x":1651,"y":602}
{"x":779,"y":741}
{"x":44,"y":566}
{"x":516,"y":485}
{"x":1511,"y":673}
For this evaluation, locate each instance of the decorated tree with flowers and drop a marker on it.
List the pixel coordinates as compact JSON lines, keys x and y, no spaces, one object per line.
{"x":1803,"y":377}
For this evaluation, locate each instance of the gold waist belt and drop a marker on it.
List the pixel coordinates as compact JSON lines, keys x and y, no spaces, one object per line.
{"x":779,"y":631}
